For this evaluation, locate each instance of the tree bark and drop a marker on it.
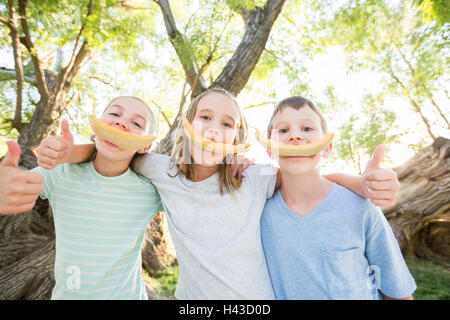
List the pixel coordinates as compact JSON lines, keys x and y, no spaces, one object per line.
{"x":27,"y":245}
{"x":421,"y":217}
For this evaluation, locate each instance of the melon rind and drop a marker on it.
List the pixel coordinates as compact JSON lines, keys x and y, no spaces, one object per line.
{"x":209,"y":145}
{"x":122,"y":139}
{"x":289,"y":150}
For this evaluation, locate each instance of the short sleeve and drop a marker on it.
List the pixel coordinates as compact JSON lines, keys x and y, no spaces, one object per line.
{"x":262,"y":178}
{"x":152,"y":190}
{"x":153,"y":166}
{"x":48,"y":181}
{"x":392,"y":276}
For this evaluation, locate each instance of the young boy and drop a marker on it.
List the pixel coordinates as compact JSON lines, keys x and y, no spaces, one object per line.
{"x":321,"y":240}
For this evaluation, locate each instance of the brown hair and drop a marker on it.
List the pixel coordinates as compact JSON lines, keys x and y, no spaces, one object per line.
{"x":296,"y":102}
{"x":182,"y":158}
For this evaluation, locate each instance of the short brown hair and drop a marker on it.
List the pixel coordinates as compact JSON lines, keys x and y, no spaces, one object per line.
{"x":297,"y":103}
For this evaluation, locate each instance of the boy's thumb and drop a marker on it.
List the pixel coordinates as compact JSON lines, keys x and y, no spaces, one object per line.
{"x":377,"y":157}
{"x":65,"y":129}
{"x":11,"y":159}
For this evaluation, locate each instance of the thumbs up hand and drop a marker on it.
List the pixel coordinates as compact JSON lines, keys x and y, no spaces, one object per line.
{"x":382,"y":185}
{"x":55,"y":150}
{"x":19,"y":189}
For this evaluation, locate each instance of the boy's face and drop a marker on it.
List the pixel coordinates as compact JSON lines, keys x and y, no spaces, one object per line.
{"x":292,"y":126}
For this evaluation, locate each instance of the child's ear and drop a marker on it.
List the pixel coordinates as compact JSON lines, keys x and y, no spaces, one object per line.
{"x":326,"y":152}
{"x":144,"y":150}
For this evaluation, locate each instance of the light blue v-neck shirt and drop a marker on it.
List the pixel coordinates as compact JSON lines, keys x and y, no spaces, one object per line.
{"x":343,"y":249}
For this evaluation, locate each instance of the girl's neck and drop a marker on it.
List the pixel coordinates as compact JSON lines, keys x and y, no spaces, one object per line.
{"x":110,"y":168}
{"x":203,"y":172}
{"x":304,"y":189}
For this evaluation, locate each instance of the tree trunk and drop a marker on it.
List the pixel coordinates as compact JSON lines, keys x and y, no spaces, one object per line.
{"x":421,"y":217}
{"x":27,"y":254}
{"x":155,"y":253}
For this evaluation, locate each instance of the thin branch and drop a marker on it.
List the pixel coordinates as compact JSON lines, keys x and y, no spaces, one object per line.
{"x":162,"y":112}
{"x":278,"y":58}
{"x":77,"y":41}
{"x":129,"y":7}
{"x":413,"y":102}
{"x":10,"y":74}
{"x":39,"y":73}
{"x":91,"y":76}
{"x":76,"y":58}
{"x":18,"y":66}
{"x":5,"y":21}
{"x":178,"y":42}
{"x":259,"y":104}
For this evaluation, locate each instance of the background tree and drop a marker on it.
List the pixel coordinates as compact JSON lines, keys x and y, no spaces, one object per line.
{"x":51,"y":42}
{"x":196,"y":50}
{"x":412,"y":55}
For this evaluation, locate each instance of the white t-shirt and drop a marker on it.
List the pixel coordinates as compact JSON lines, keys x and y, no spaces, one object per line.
{"x":217,"y":237}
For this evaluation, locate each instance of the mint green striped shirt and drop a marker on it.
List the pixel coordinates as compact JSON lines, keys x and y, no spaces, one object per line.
{"x":100,"y":225}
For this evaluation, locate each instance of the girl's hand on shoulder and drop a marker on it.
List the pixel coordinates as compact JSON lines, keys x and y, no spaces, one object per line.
{"x":382,"y":185}
{"x":241,"y":162}
{"x":57,"y":149}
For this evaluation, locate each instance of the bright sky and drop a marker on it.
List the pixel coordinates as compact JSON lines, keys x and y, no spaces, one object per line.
{"x":330,"y":69}
{"x":326,"y":69}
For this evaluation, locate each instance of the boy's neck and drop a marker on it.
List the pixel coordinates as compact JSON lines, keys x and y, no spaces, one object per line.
{"x":304,"y":192}
{"x":109,"y":168}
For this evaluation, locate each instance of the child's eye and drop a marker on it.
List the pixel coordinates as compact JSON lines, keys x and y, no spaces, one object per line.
{"x":114,"y":114}
{"x":284,"y":130}
{"x":226,"y":124}
{"x":205,"y":117}
{"x":137,"y":125}
{"x":307,"y":129}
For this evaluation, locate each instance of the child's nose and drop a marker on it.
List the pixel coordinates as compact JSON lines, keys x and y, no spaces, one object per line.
{"x":295,"y":138}
{"x":213,"y":133}
{"x":212,"y":130}
{"x":121,"y":125}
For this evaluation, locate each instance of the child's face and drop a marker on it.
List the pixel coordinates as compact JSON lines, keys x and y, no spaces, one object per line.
{"x":293,"y":126}
{"x":216,"y":119}
{"x":126,"y":114}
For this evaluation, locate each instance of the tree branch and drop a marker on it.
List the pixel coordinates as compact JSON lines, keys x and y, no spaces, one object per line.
{"x":91,"y":76}
{"x":179,"y":43}
{"x":162,"y":112}
{"x":75,"y":60}
{"x":5,"y":21}
{"x":10,"y":74}
{"x":258,"y":23}
{"x":413,"y":102}
{"x":18,"y":66}
{"x":39,"y":73}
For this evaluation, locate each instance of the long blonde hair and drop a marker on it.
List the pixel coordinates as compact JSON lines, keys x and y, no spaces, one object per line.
{"x":183,"y":160}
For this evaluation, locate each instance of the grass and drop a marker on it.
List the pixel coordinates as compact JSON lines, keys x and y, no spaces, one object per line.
{"x":165,"y":282}
{"x":432,"y":279}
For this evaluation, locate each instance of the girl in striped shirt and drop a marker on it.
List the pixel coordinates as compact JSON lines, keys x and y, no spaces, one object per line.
{"x":100,"y":209}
